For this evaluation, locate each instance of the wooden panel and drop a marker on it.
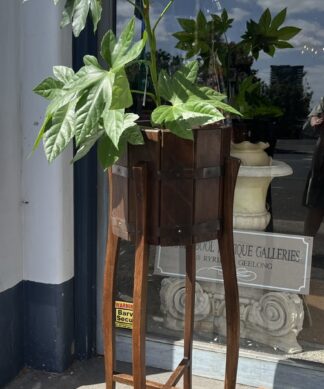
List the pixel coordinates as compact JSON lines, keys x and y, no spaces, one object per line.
{"x":211,"y":146}
{"x":180,"y":197}
{"x":176,"y":194}
{"x":119,"y":210}
{"x":149,"y":152}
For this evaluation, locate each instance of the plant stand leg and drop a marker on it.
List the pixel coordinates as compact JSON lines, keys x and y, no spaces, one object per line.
{"x":229,"y":273}
{"x":189,"y":313}
{"x":109,"y":294}
{"x":140,"y":278}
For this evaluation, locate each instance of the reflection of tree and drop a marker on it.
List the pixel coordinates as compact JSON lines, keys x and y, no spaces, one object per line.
{"x":239,"y":64}
{"x":294,"y":99}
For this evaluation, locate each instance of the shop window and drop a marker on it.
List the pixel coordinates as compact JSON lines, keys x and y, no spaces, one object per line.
{"x":277,"y":90}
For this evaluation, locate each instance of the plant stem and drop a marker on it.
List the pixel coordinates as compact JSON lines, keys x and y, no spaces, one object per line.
{"x":162,"y":14}
{"x":152,"y":43}
{"x":152,"y":95}
{"x":136,"y":6}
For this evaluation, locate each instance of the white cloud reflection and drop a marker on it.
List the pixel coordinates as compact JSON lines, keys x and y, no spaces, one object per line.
{"x":312,"y":32}
{"x":239,"y":14}
{"x":294,"y":6}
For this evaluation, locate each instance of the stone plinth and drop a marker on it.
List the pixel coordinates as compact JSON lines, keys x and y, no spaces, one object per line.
{"x":271,"y":318}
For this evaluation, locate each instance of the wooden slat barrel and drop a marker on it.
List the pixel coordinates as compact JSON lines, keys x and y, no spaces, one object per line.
{"x":185,"y":186}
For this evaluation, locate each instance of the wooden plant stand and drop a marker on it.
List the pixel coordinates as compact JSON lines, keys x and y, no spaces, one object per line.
{"x":140,"y":173}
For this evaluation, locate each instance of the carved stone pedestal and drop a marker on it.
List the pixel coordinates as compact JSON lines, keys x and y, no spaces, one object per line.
{"x":271,"y":318}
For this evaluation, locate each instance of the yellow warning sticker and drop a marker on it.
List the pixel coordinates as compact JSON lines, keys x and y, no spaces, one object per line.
{"x":124,"y":314}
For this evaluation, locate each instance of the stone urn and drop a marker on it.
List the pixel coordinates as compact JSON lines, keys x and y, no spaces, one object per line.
{"x":255,"y":175}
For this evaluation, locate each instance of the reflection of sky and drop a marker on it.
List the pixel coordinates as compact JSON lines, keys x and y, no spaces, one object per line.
{"x":308,"y":15}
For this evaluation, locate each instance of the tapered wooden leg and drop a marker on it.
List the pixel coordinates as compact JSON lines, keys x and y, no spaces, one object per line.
{"x":189,"y":312}
{"x":109,"y":294}
{"x":229,"y":273}
{"x":140,"y":278}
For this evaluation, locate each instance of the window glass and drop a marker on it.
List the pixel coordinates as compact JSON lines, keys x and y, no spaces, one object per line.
{"x":276,"y":88}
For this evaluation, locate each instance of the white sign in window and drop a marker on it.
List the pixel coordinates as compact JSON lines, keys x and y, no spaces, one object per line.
{"x":263,"y":260}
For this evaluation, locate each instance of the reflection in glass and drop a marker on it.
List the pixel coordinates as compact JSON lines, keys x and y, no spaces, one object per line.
{"x":277,"y":90}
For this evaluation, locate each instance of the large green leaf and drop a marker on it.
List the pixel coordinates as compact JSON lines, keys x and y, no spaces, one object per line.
{"x":108,"y":44}
{"x":87,"y":144}
{"x":286,"y":33}
{"x":114,"y":124}
{"x":223,"y":106}
{"x":284,"y":45}
{"x":212,"y":94}
{"x":80,"y":13}
{"x":120,"y":53}
{"x":266,"y":35}
{"x":58,"y":136}
{"x":49,"y":88}
{"x":89,"y":113}
{"x":90,"y":60}
{"x":171,"y":117}
{"x":124,"y":41}
{"x":188,"y":25}
{"x":191,"y":105}
{"x":265,"y":20}
{"x":165,"y":113}
{"x":278,"y":19}
{"x":99,"y":96}
{"x":96,"y":10}
{"x":132,"y":135}
{"x":120,"y":126}
{"x":189,"y":71}
{"x":86,"y":77}
{"x":181,"y":128}
{"x":201,"y":109}
{"x":165,"y":85}
{"x":67,"y":14}
{"x":201,"y":21}
{"x":61,"y":99}
{"x":107,"y":152}
{"x":121,"y":95}
{"x":45,"y":126}
{"x":130,"y":120}
{"x":63,"y":73}
{"x":131,"y":54}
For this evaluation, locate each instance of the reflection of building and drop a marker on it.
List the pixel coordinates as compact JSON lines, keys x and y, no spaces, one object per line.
{"x":284,"y":74}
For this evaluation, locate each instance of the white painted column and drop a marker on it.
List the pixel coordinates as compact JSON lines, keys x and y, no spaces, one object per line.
{"x":10,"y":148}
{"x":47,"y":190}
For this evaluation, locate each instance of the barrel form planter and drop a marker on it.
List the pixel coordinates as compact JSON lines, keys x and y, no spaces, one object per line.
{"x":171,"y":191}
{"x":184,"y":186}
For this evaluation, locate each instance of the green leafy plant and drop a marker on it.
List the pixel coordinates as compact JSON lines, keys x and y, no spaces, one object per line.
{"x":207,"y":39}
{"x":202,"y":36}
{"x":252,"y":103}
{"x":92,"y":104}
{"x":267,"y":35}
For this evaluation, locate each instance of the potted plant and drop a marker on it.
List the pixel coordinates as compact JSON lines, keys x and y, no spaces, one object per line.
{"x":92,"y":105}
{"x":171,"y":180}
